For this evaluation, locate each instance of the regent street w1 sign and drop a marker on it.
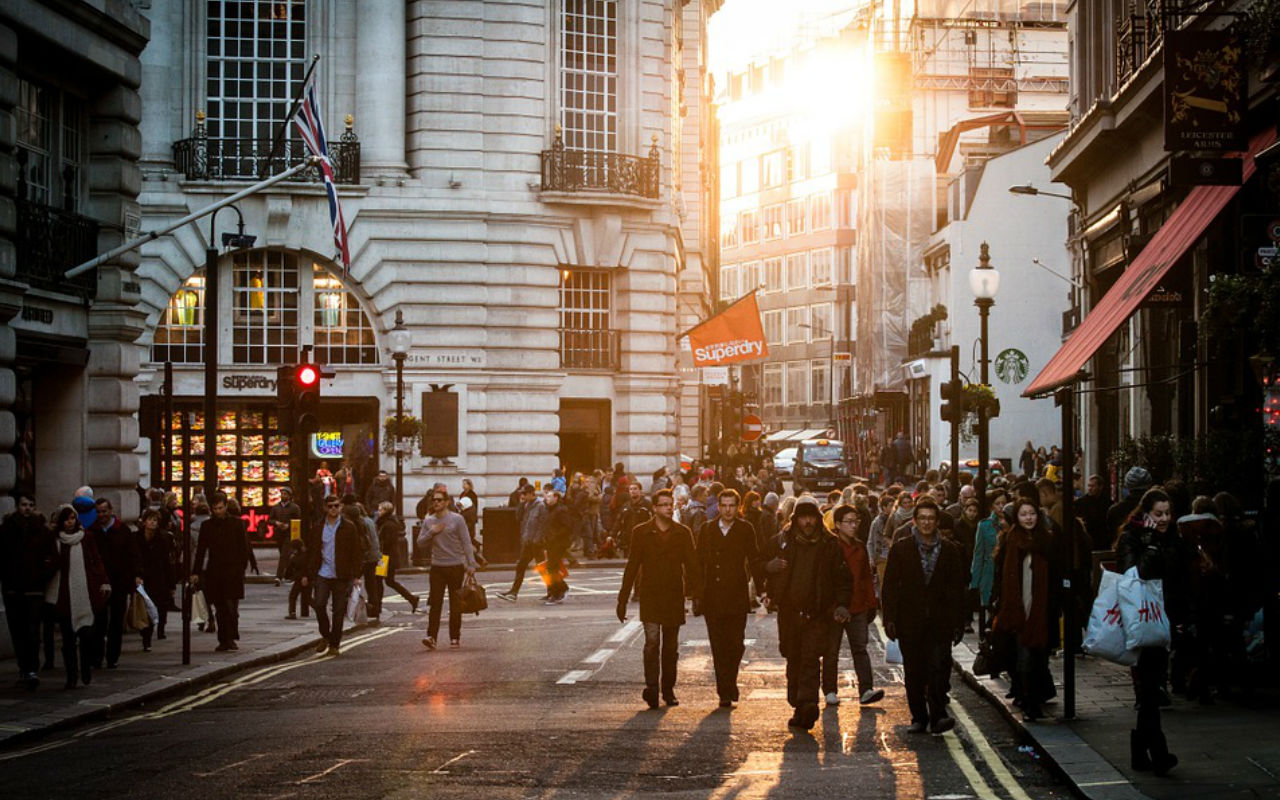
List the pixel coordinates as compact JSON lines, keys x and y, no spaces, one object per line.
{"x":1205,"y":91}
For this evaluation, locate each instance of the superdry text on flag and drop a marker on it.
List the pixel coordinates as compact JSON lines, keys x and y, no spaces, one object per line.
{"x":311,"y":129}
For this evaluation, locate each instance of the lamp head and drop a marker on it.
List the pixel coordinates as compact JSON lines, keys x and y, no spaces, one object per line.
{"x":1028,"y":189}
{"x":984,"y":280}
{"x":399,"y":338}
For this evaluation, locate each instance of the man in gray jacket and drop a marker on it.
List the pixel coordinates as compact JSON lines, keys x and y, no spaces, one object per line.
{"x":452,"y":560}
{"x":533,"y":532}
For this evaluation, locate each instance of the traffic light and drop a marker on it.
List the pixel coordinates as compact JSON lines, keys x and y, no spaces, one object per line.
{"x":284,"y":399}
{"x":952,"y":401}
{"x":306,"y":397}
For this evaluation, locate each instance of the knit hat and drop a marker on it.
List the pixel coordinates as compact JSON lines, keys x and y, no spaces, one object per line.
{"x":806,"y":505}
{"x":85,"y":510}
{"x":1137,"y":479}
{"x":708,"y":474}
{"x":771,"y":500}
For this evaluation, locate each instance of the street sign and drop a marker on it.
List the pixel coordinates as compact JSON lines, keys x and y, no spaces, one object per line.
{"x":839,"y":356}
{"x":752,"y":427}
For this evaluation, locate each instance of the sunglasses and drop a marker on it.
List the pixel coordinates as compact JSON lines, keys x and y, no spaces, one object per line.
{"x":439,"y":499}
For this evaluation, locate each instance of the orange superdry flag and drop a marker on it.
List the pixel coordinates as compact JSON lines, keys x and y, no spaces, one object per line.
{"x":732,"y":336}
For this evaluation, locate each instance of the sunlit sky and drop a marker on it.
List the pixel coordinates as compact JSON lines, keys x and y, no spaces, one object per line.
{"x":745,"y":29}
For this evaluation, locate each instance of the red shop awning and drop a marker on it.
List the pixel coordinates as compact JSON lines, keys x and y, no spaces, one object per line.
{"x":1187,"y":223}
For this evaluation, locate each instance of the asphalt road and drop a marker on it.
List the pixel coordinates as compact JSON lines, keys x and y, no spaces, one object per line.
{"x":540,"y":702}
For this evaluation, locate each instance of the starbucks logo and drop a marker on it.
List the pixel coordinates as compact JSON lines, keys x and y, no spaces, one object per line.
{"x":1011,"y":366}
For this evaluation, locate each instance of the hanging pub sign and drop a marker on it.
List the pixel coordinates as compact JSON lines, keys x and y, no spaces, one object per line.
{"x":1204,"y":91}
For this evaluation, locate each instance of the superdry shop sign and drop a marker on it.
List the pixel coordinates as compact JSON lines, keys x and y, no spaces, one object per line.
{"x":248,"y":383}
{"x":1205,"y":91}
{"x":730,"y":337}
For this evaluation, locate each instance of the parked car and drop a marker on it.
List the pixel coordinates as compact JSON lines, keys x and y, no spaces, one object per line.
{"x":820,"y":466}
{"x":784,"y":461}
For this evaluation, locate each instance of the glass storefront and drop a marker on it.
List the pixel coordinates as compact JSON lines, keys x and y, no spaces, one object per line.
{"x":252,"y":459}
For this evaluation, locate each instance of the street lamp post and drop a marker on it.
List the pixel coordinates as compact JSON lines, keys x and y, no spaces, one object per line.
{"x":820,"y":331}
{"x":400,"y":340}
{"x":984,"y":281}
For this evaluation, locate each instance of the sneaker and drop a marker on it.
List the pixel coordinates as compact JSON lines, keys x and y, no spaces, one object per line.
{"x":942,"y":725}
{"x":277,"y":581}
{"x":323,"y":647}
{"x":146,"y":648}
{"x":429,"y":642}
{"x":333,"y":651}
{"x":833,"y":699}
{"x":871,"y":696}
{"x":510,"y":597}
{"x":454,"y":644}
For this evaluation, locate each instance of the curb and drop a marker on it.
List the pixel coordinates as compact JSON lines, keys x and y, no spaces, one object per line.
{"x":127,"y":699}
{"x":1090,"y":775}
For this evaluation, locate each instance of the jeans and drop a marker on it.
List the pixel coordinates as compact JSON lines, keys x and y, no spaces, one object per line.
{"x":530,"y":552}
{"x":445,"y":578}
{"x":726,"y":635}
{"x":926,"y":667}
{"x":23,"y":613}
{"x":335,"y":591}
{"x":661,"y":651}
{"x":856,"y":631}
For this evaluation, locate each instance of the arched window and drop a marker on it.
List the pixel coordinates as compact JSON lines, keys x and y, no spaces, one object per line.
{"x":279,"y":301}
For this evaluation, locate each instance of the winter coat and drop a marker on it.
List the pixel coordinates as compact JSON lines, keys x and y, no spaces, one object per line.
{"x":834,"y":583}
{"x":157,"y":563}
{"x":1164,"y":556}
{"x":348,"y":550}
{"x":533,"y":522}
{"x":95,"y":576}
{"x":28,"y":554}
{"x":221,"y":558}
{"x":666,"y":568}
{"x":982,"y":567}
{"x":560,"y":523}
{"x":863,"y":597}
{"x":728,"y":562}
{"x":379,"y":492}
{"x":923,"y":612}
{"x":279,"y":517}
{"x":391,"y":539}
{"x":119,"y":550}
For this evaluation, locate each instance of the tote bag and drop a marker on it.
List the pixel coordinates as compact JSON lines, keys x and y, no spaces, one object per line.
{"x":1104,"y":636}
{"x":1142,"y":611}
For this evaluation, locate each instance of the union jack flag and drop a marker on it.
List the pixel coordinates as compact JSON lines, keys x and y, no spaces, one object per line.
{"x":311,"y":129}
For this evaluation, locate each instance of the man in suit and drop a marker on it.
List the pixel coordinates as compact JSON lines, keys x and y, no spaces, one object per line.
{"x":662,"y":557}
{"x":224,"y":543}
{"x":728,"y":558}
{"x":923,"y":600}
{"x":335,"y":561}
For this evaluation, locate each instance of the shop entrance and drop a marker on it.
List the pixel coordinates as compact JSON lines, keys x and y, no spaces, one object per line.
{"x":585,"y":435}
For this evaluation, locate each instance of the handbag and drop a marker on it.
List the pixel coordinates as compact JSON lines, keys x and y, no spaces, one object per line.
{"x":471,"y":597}
{"x":1142,"y":611}
{"x":892,"y":652}
{"x":381,"y":569}
{"x":137,"y":619}
{"x":1104,"y":636}
{"x":982,"y":661}
{"x":199,"y":607}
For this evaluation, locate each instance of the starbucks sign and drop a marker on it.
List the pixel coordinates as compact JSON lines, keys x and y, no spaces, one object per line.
{"x":1011,"y":365}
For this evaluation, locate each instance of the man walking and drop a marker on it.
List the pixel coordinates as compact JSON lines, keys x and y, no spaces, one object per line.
{"x":636,"y":511}
{"x":452,"y":559}
{"x":662,"y":558}
{"x":226,"y":547}
{"x":28,"y":559}
{"x":335,"y":557}
{"x":923,"y":601}
{"x":280,"y":517}
{"x":123,"y":561}
{"x":533,"y":530}
{"x":728,"y":558}
{"x":809,"y":585}
{"x":862,"y":611}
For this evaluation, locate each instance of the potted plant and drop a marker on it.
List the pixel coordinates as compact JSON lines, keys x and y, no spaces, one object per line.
{"x":407,"y":428}
{"x":981,"y":397}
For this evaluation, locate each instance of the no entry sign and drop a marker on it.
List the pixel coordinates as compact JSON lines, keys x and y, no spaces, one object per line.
{"x":752,"y":427}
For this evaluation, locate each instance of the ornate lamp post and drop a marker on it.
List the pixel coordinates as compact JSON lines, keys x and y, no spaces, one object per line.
{"x":984,"y":281}
{"x":400,"y":340}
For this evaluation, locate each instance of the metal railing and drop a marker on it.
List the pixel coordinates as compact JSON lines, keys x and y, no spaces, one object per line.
{"x":202,"y":158}
{"x":1139,"y":33}
{"x":49,"y":242}
{"x":584,"y":171}
{"x":589,"y":349}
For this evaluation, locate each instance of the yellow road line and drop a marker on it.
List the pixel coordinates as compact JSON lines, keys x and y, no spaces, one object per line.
{"x":989,"y":755}
{"x":971,"y":774}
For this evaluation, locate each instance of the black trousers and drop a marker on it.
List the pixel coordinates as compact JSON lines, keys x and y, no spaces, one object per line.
{"x":300,"y":596}
{"x":726,"y":633}
{"x":23,"y":613}
{"x":77,"y":659}
{"x":331,"y":593}
{"x":802,"y":641}
{"x":228,"y":611}
{"x":926,"y":667}
{"x":445,"y":578}
{"x":661,"y":652}
{"x":108,"y":628}
{"x":396,"y":585}
{"x":373,"y":585}
{"x":530,"y":552}
{"x":1149,"y":677}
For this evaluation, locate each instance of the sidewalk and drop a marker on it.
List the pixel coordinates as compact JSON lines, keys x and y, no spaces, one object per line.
{"x":1226,"y":751}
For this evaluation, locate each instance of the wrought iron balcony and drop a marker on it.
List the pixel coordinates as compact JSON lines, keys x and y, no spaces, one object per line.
{"x":566,"y":170}
{"x":50,"y":242}
{"x":588,"y":349}
{"x":202,"y":158}
{"x":1140,"y":28}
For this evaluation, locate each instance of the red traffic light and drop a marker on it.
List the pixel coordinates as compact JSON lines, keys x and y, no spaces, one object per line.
{"x":307,"y":376}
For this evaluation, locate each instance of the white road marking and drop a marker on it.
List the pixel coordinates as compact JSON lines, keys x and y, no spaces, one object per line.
{"x":440,"y":770}
{"x":341,"y":763}
{"x":599,"y":657}
{"x":253,"y":757}
{"x":597,"y":660}
{"x":575,"y":675}
{"x":626,"y":631}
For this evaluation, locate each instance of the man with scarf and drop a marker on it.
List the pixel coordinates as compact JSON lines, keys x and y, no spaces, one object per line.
{"x":810,"y":585}
{"x":923,"y":603}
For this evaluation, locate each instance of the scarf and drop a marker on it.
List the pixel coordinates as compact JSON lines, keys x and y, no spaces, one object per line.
{"x":1032,"y":627}
{"x":813,"y":537}
{"x":78,"y":584}
{"x":928,"y":554}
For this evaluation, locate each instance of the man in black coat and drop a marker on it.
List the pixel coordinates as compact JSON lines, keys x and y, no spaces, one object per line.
{"x":923,"y":602}
{"x":123,"y":561}
{"x":663,"y":559}
{"x":335,"y":562}
{"x":809,"y":585}
{"x":224,"y":545}
{"x":636,"y":511}
{"x":28,"y":559}
{"x":729,"y":559}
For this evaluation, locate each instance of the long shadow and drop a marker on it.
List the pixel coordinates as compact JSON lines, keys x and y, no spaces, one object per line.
{"x":595,"y":762}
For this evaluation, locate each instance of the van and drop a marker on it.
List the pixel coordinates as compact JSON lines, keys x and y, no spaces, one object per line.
{"x":820,"y":466}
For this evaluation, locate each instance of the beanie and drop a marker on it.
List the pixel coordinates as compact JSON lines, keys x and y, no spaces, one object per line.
{"x":1137,"y":478}
{"x":85,"y":510}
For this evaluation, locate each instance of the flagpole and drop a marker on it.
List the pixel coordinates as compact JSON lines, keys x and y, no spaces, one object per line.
{"x":297,"y":101}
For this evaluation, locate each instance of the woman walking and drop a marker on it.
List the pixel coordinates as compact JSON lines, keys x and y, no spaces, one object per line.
{"x":78,"y":590}
{"x":155,"y":544}
{"x":1024,"y":606}
{"x":982,"y":570}
{"x":1150,"y":543}
{"x":392,"y":540}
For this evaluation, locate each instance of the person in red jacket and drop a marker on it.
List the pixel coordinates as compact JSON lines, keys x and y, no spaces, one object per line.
{"x":862,"y":612}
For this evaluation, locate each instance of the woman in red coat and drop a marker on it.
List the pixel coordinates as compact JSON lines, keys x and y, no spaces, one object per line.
{"x":77,"y":591}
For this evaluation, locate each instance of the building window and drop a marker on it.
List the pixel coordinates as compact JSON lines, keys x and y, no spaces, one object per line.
{"x":847,"y":209}
{"x":343,"y":334}
{"x":729,"y":232}
{"x":772,"y":386}
{"x":728,"y":282}
{"x":773,"y":326}
{"x":587,"y":338}
{"x":798,"y":162}
{"x":797,"y":383}
{"x":749,"y":227}
{"x":773,"y":275}
{"x":798,"y":271}
{"x":820,"y":267}
{"x":797,"y":324}
{"x":820,"y":322}
{"x":820,"y":211}
{"x":728,"y":181}
{"x":820,"y":381}
{"x":589,"y":75}
{"x":180,"y":334}
{"x":847,"y":268}
{"x":796,"y":217}
{"x":749,"y":277}
{"x":257,"y":57}
{"x":51,"y":130}
{"x":771,"y":219}
{"x":771,"y":169}
{"x":749,"y":175}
